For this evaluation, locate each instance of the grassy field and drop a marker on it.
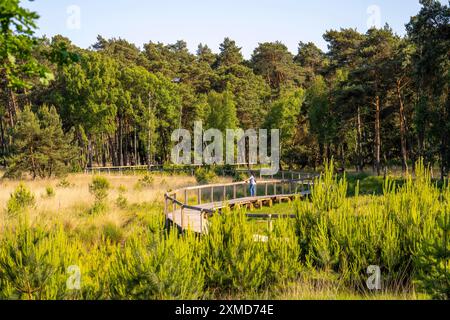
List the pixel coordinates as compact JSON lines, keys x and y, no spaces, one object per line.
{"x":123,"y":251}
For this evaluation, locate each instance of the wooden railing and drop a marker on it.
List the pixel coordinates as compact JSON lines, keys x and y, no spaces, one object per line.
{"x":207,"y":199}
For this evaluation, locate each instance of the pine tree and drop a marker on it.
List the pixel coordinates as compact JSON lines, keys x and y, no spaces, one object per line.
{"x":222,"y":114}
{"x":434,"y":263}
{"x":40,"y":146}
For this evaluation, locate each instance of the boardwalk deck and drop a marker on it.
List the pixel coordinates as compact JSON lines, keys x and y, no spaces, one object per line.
{"x":195,"y":218}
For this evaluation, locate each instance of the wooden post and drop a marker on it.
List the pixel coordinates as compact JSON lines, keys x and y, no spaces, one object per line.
{"x":266,"y":187}
{"x":199,"y":195}
{"x":282,"y":175}
{"x":182,"y":218}
{"x":270,"y":226}
{"x":212,"y":194}
{"x":186,"y":197}
{"x":234,"y":191}
{"x":201,"y":222}
{"x":274,"y":188}
{"x":166,"y":213}
{"x":245,"y":191}
{"x":174,"y":203}
{"x":224,"y":193}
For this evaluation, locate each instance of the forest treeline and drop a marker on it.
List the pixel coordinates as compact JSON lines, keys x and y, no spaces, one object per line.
{"x":373,"y":99}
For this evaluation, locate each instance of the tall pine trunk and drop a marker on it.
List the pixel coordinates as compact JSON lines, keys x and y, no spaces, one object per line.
{"x":120,"y":142}
{"x":136,"y":156}
{"x":3,"y":141}
{"x":359,"y":165}
{"x":12,"y":107}
{"x":377,"y":135}
{"x":90,"y":155}
{"x":402,"y":129}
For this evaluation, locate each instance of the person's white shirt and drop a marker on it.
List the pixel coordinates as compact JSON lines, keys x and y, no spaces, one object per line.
{"x":252,"y":180}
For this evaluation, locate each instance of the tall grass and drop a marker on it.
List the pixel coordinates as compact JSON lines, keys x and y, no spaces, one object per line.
{"x":127,"y":253}
{"x":347,"y":235}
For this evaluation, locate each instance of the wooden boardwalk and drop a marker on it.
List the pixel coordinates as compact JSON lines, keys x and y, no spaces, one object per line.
{"x":186,"y":216}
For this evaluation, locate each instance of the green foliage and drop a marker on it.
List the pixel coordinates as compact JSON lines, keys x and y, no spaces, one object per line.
{"x":328,"y":192}
{"x":276,"y":64}
{"x":167,"y":267}
{"x":99,"y":188}
{"x":222,"y":115}
{"x":239,"y":176}
{"x":31,"y":264}
{"x":145,"y":182}
{"x":122,"y":201}
{"x":404,"y":231}
{"x":112,"y":232}
{"x":49,"y":192}
{"x":346,"y":235}
{"x":234,"y":262}
{"x":205,"y":176}
{"x":64,"y":184}
{"x":433,"y":259}
{"x":284,"y":115}
{"x":21,"y":199}
{"x":40,"y":145}
{"x":17,"y":62}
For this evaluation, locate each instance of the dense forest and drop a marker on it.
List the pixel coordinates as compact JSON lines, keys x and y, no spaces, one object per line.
{"x":374,"y":99}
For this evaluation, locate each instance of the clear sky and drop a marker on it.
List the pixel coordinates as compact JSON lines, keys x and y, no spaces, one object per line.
{"x":248,"y":22}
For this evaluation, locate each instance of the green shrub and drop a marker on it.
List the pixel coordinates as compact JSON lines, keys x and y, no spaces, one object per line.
{"x":21,"y":199}
{"x":433,"y":261}
{"x":205,"y":176}
{"x":99,"y":188}
{"x":65,"y":184}
{"x":234,"y":262}
{"x":49,"y":192}
{"x":122,"y":189}
{"x":328,"y":192}
{"x":239,"y":176}
{"x":157,"y":268}
{"x":33,"y":262}
{"x":346,"y":235}
{"x":146,"y":181}
{"x":112,"y":232}
{"x":98,"y":208}
{"x":122,"y":201}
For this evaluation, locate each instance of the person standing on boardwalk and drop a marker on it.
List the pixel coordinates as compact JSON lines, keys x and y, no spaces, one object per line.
{"x":252,"y":182}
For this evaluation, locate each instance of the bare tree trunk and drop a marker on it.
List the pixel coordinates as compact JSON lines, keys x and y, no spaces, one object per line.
{"x":136,"y":157}
{"x":359,"y":141}
{"x":402,"y":129}
{"x":119,"y":140}
{"x":444,"y":145}
{"x":321,"y":152}
{"x":11,"y":101}
{"x":104,"y":147}
{"x":377,"y":135}
{"x":90,"y":156}
{"x":3,"y":141}
{"x":113,"y":148}
{"x":12,"y":107}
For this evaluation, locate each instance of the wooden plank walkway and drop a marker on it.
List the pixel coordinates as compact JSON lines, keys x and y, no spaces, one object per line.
{"x":196,"y":218}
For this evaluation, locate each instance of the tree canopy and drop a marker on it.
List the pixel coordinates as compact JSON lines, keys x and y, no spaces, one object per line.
{"x":371,"y":99}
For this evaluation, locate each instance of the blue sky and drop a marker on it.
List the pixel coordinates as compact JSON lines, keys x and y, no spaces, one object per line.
{"x":246,"y":21}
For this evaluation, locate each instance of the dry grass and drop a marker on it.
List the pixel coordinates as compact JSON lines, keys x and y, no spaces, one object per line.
{"x":70,"y":204}
{"x":307,"y":289}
